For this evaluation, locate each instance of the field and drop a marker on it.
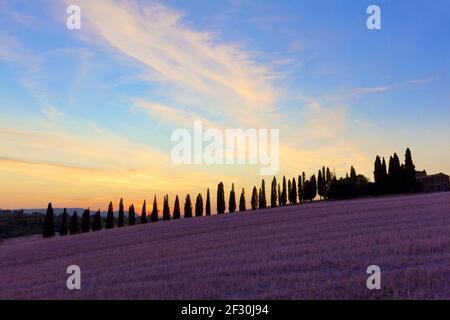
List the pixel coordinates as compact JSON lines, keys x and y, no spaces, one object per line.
{"x":313,"y":251}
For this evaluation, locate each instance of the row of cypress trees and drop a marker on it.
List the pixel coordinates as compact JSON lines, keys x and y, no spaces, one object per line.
{"x":258,"y":200}
{"x":397,"y":179}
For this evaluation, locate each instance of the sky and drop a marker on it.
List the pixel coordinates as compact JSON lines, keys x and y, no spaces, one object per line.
{"x":86,"y":116}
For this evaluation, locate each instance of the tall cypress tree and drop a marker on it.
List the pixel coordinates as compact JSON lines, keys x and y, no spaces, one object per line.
{"x":131,"y":216}
{"x":254,"y":201}
{"x":289,"y":191}
{"x":144,"y":213}
{"x":49,"y":230}
{"x":63,"y":227}
{"x":260,"y":202}
{"x":279,"y":194}
{"x":284,"y":193}
{"x":410,"y":172}
{"x":154,"y":214}
{"x":188,"y":207}
{"x":395,"y":174}
{"x":294,"y":191}
{"x":273,"y":193}
{"x":176,"y":208}
{"x":232,"y":200}
{"x":328,"y":181}
{"x":86,"y":221}
{"x":220,"y":199}
{"x":199,"y":206}
{"x":384,"y":177}
{"x":320,"y":185}
{"x":166,"y":208}
{"x":353,"y":174}
{"x":304,"y":192}
{"x":324,"y":180}
{"x":73,"y":229}
{"x":307,"y":190}
{"x":97,"y":221}
{"x":313,"y":187}
{"x":121,"y":220}
{"x":263,"y":195}
{"x":242,"y":201}
{"x":300,"y":189}
{"x":208,"y":204}
{"x":377,"y":174}
{"x":110,"y":217}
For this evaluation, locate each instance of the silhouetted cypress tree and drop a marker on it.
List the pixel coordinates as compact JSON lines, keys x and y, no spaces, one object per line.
{"x":208,"y":204}
{"x":242,"y":201}
{"x":86,"y":221}
{"x":320,"y":184}
{"x":121,"y":220}
{"x":410,"y":172}
{"x":313,"y":187}
{"x":176,"y":208}
{"x":377,"y":174}
{"x":154,"y":214}
{"x":384,"y":177}
{"x":199,"y":206}
{"x":220,"y":199}
{"x":328,"y":181}
{"x":63,"y":227}
{"x":110,"y":217}
{"x":188,"y":207}
{"x":131,"y":216}
{"x":324,"y":180}
{"x":273,"y":193}
{"x":260,"y":203}
{"x":353,"y":174}
{"x":307,"y":190}
{"x":97,"y":221}
{"x":263,"y":194}
{"x":73,"y":229}
{"x":300,"y":189}
{"x":49,"y":230}
{"x":144,"y":213}
{"x":279,"y":194}
{"x":304,"y":193}
{"x":254,"y":201}
{"x":289,"y":191}
{"x":284,"y":193}
{"x":395,"y":174}
{"x":232,"y":200}
{"x":294,"y":191}
{"x":166,"y":208}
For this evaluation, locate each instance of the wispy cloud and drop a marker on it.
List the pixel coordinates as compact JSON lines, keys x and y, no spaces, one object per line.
{"x":383,"y":88}
{"x":171,"y":115}
{"x":180,"y":56}
{"x":369,"y":90}
{"x":423,"y":80}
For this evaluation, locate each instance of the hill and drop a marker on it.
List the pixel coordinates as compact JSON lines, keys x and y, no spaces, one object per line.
{"x":314,"y":251}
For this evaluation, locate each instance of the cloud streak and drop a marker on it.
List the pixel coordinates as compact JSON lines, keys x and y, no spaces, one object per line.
{"x":180,"y":57}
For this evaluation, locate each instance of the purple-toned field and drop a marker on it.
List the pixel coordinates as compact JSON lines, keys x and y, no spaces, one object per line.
{"x":313,"y":251}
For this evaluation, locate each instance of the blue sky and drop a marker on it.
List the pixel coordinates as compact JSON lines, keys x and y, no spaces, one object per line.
{"x":73,"y":102}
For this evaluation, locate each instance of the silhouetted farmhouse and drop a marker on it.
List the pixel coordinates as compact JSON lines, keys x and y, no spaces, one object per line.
{"x":433,"y":183}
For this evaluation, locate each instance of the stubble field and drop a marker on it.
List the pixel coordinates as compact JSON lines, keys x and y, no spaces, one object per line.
{"x":313,"y":251}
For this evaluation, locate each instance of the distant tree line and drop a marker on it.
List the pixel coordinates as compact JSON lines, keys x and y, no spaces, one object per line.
{"x":397,"y":178}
